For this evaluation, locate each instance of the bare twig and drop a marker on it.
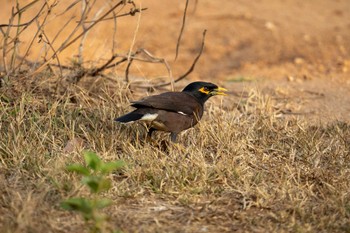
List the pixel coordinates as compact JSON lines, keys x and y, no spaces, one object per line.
{"x":84,"y":11}
{"x":162,"y":60}
{"x":36,"y":33}
{"x":108,"y":65}
{"x":22,"y":27}
{"x":127,"y":69}
{"x":26,"y":25}
{"x":16,"y":38}
{"x":69,"y":7}
{"x":114,"y":36}
{"x":31,"y":63}
{"x":77,"y":34}
{"x":150,"y":58}
{"x":191,"y":68}
{"x":132,"y":12}
{"x":70,"y":42}
{"x":63,"y":27}
{"x":86,"y":8}
{"x":47,"y":41}
{"x":135,"y":33}
{"x":6,"y":37}
{"x":130,"y":60}
{"x":97,"y":71}
{"x":181,"y":31}
{"x":22,"y":10}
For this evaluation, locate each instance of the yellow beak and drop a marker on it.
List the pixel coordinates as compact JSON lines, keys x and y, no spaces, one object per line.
{"x":219,"y":91}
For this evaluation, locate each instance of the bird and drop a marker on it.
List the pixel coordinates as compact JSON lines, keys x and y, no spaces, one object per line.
{"x":173,"y":112}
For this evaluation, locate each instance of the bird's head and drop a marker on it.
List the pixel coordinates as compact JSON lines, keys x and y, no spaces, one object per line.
{"x":204,"y":90}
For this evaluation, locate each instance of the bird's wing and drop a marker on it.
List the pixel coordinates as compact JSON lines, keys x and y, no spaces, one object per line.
{"x":170,"y":101}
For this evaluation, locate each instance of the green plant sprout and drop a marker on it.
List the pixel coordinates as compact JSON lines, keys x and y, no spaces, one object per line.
{"x":95,"y":177}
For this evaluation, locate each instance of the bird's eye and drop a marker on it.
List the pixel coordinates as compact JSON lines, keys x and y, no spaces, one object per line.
{"x":204,"y":90}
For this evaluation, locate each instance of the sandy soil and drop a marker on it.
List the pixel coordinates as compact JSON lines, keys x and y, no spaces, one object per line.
{"x":296,"y":51}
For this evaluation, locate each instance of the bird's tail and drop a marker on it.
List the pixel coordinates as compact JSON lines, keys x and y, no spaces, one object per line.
{"x":129,"y":117}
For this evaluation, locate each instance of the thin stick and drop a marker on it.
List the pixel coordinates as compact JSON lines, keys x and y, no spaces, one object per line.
{"x":86,"y":8}
{"x":181,"y":31}
{"x":63,"y":27}
{"x":127,"y":70}
{"x":65,"y":45}
{"x":191,"y":68}
{"x":16,"y":39}
{"x":6,"y":37}
{"x":35,"y":35}
{"x":22,"y":10}
{"x":130,"y":60}
{"x":47,"y":41}
{"x":132,"y":12}
{"x":107,"y":64}
{"x":114,"y":35}
{"x":84,"y":11}
{"x":162,"y":60}
{"x":135,"y":33}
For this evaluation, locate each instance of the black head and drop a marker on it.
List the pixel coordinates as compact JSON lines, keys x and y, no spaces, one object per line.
{"x":203,"y":90}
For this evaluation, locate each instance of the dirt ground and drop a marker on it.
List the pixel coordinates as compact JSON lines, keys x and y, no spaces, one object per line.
{"x":296,"y":51}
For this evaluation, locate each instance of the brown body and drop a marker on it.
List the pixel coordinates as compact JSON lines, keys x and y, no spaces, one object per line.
{"x":177,"y":111}
{"x":173,"y":111}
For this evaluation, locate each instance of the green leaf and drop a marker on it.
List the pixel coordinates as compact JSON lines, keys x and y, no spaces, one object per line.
{"x":96,"y":183}
{"x":82,"y":205}
{"x":92,"y":182}
{"x":102,"y":203}
{"x":78,"y":169}
{"x":77,"y":204}
{"x":92,"y":160}
{"x":104,"y":185}
{"x":112,"y":166}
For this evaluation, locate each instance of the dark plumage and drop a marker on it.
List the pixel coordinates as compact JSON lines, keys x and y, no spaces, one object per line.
{"x":173,"y":111}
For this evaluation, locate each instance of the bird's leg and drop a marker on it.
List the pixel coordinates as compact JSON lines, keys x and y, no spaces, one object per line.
{"x":173,"y":137}
{"x":149,"y":133}
{"x":174,"y":145}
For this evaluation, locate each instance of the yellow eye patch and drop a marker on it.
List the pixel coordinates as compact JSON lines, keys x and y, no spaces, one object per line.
{"x":204,"y":90}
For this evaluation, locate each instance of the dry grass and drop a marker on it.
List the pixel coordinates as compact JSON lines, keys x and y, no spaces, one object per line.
{"x":242,"y":169}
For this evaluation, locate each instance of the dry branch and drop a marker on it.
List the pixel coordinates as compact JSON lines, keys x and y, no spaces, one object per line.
{"x":132,"y":13}
{"x":181,"y":30}
{"x":190,"y":69}
{"x":141,"y":54}
{"x":22,"y":10}
{"x":68,"y":42}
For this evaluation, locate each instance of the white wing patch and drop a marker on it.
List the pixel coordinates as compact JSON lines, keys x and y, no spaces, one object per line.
{"x":182,"y":113}
{"x":149,"y":117}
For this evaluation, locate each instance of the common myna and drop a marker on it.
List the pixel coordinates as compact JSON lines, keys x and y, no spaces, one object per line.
{"x":173,"y":111}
